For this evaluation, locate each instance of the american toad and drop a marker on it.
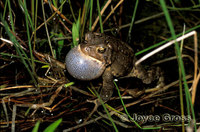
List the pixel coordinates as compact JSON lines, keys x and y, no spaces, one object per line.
{"x":102,"y":55}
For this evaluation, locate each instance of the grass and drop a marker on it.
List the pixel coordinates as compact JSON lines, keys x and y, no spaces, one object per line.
{"x":182,"y":74}
{"x":54,"y":27}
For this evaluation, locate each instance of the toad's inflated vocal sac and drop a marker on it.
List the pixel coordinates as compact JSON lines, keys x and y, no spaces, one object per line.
{"x":102,"y":55}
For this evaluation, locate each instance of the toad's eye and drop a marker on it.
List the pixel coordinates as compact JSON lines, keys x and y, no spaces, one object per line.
{"x":87,"y":49}
{"x":101,"y":50}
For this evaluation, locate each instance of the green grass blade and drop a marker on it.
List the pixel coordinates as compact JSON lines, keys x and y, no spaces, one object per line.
{"x":70,"y":5}
{"x":53,"y":126}
{"x":75,"y":33}
{"x":146,"y":128}
{"x":36,"y":127}
{"x":132,"y":21}
{"x":69,"y":84}
{"x":100,"y":19}
{"x":11,"y":17}
{"x":55,"y":3}
{"x":29,"y":21}
{"x":35,"y":23}
{"x":180,"y":61}
{"x":20,"y":51}
{"x":33,"y":10}
{"x":4,"y":12}
{"x":16,"y":56}
{"x":60,"y":44}
{"x":107,"y":112}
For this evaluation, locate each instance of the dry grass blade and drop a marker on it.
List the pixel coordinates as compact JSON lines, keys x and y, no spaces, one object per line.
{"x":196,"y":78}
{"x":102,"y":11}
{"x":113,"y":10}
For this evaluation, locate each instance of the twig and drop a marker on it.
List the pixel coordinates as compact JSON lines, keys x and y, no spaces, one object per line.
{"x":83,"y":124}
{"x":58,"y":12}
{"x":164,"y":46}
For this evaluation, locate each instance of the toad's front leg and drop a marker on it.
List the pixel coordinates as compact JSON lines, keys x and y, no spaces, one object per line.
{"x":108,"y":85}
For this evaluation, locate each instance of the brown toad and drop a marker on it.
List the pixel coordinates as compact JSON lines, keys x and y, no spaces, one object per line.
{"x":102,"y":55}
